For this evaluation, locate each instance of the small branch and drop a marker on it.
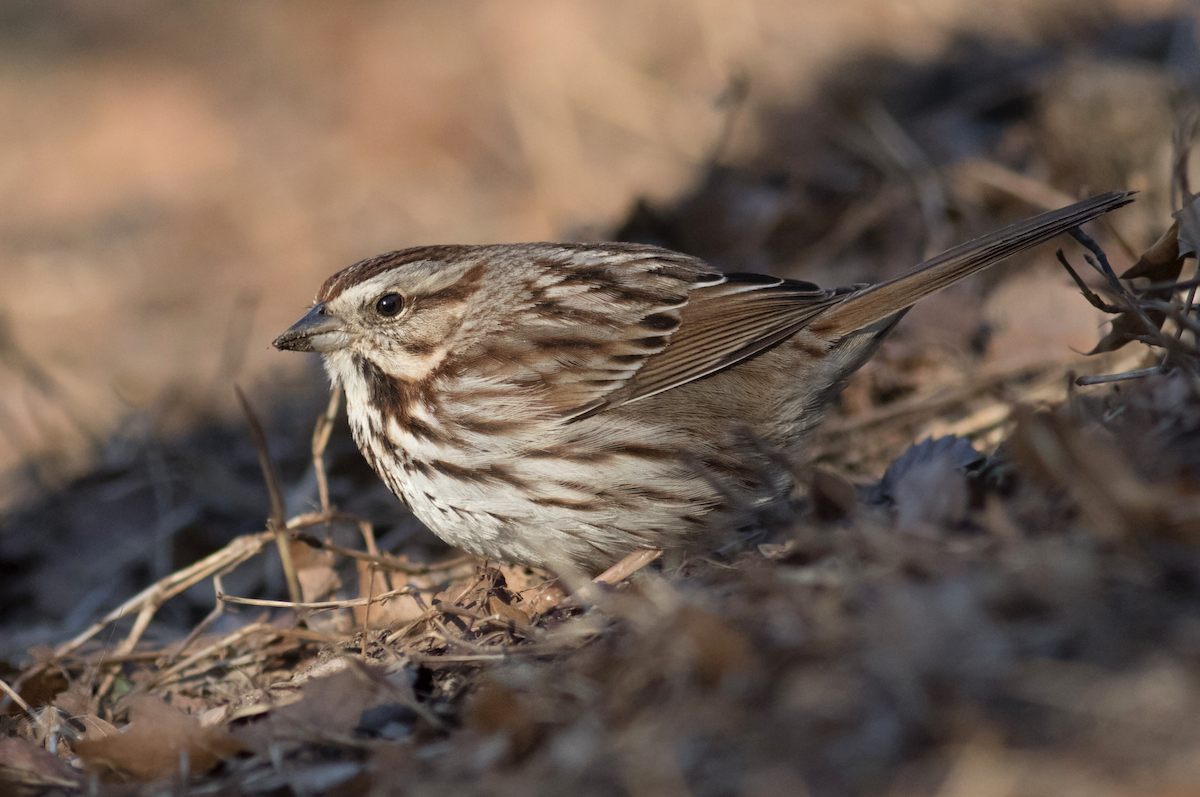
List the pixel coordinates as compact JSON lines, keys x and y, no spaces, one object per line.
{"x":277,"y":523}
{"x":1087,"y":292}
{"x":381,"y":560}
{"x":1087,"y":242}
{"x":16,"y":698}
{"x":317,"y":606}
{"x":1083,"y":381}
{"x":320,"y":440}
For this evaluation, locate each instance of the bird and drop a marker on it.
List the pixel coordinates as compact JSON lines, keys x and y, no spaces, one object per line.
{"x":564,"y":406}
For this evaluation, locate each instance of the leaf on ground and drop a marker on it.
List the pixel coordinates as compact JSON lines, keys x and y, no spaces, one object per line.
{"x":26,"y":768}
{"x":927,"y":484}
{"x":334,"y":708}
{"x":154,"y":745}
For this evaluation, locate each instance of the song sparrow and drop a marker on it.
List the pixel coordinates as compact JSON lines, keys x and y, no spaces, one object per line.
{"x":562,"y":405}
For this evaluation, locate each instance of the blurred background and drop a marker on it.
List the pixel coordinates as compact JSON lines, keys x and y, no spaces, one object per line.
{"x":178,"y":178}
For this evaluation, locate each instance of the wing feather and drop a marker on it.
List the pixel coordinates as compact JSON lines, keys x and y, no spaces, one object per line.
{"x":668,"y":319}
{"x":726,"y":324}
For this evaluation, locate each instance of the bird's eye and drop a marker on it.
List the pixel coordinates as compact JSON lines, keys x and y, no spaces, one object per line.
{"x":389,"y":304}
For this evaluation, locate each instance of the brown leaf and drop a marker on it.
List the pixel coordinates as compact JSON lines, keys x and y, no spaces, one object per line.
{"x":1186,"y":220}
{"x":496,"y":709}
{"x":314,"y":571}
{"x":42,"y":688}
{"x":499,"y":607}
{"x":151,"y":745}
{"x":26,"y":768}
{"x":1157,"y":263}
{"x":716,"y":649}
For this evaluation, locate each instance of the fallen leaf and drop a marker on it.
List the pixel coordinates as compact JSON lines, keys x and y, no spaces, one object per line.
{"x":154,"y":744}
{"x":26,"y":768}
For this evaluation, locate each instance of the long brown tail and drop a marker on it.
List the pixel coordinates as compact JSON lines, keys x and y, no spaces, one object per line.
{"x":887,"y":298}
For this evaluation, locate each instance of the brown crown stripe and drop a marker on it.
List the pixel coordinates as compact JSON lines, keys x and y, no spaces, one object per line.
{"x":668,"y":264}
{"x":364,"y":270}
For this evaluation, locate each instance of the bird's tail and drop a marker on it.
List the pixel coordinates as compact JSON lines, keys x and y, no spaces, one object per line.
{"x":887,"y":298}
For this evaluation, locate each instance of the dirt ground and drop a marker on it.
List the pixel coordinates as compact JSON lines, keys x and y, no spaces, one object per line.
{"x":1012,"y":607}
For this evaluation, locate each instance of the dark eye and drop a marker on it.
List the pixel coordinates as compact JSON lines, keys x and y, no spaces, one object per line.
{"x":389,"y":304}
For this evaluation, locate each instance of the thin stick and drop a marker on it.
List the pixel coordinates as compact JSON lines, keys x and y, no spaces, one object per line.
{"x":628,"y":566}
{"x":16,"y":698}
{"x":1087,"y":292}
{"x":316,"y":606}
{"x":149,"y":609}
{"x":277,"y":522}
{"x":220,"y":644}
{"x":209,"y":619}
{"x":1084,"y":381}
{"x":382,"y":560}
{"x":236,"y":552}
{"x":320,"y":441}
{"x":367,"y":610}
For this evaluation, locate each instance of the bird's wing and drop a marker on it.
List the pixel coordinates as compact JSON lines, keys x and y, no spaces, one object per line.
{"x":608,"y":325}
{"x":646,"y":320}
{"x":725,"y":324}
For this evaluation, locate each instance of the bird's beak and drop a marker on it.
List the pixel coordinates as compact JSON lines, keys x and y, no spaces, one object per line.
{"x":319,"y":330}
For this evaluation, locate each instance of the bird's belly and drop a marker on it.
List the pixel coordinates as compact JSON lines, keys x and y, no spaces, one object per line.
{"x":580,"y":495}
{"x":587,"y":522}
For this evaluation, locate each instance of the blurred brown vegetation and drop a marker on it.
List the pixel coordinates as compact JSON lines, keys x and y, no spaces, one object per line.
{"x":177,"y":178}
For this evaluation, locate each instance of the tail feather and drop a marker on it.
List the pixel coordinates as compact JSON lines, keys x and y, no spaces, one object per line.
{"x":877,"y":302}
